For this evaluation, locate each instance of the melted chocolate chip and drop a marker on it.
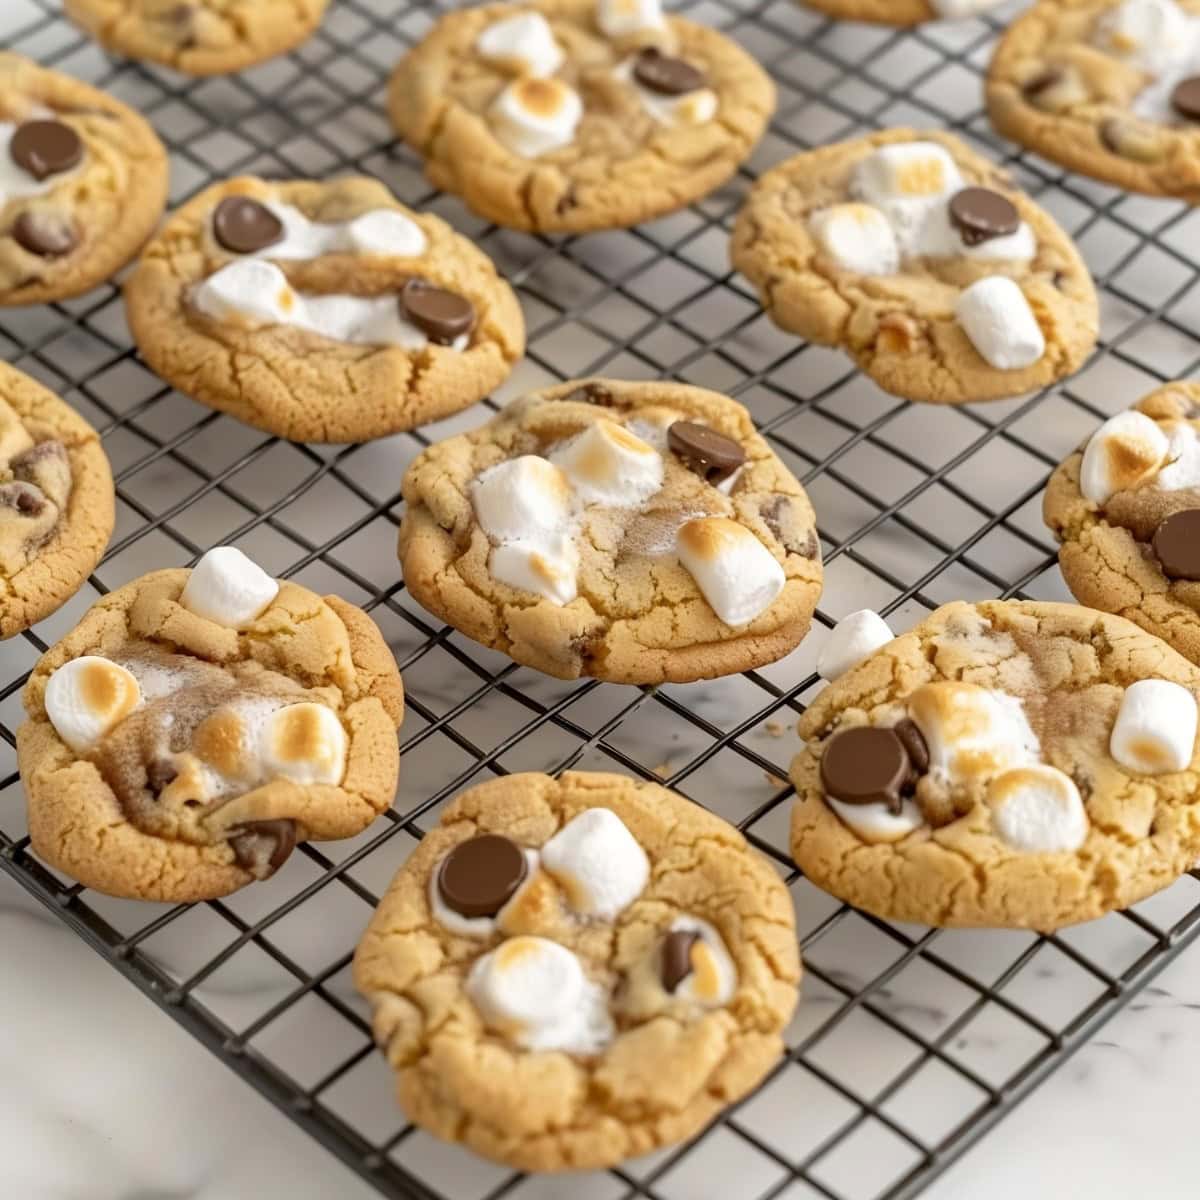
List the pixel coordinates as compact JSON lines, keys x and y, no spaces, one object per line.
{"x":1185,"y":98}
{"x":46,"y":234}
{"x":479,"y":877}
{"x":866,"y":765}
{"x":252,"y":841}
{"x":160,"y":774}
{"x":443,"y":316}
{"x":710,"y":454}
{"x":666,"y":75}
{"x":244,"y":226}
{"x":25,"y":463}
{"x":779,"y":515}
{"x":1177,"y":544}
{"x":592,"y":393}
{"x":24,"y":498}
{"x":914,"y":745}
{"x":45,"y":148}
{"x":979,"y":215}
{"x":676,"y":957}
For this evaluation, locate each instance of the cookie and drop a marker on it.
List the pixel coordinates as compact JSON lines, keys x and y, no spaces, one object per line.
{"x":196,"y":725}
{"x":634,"y":532}
{"x":199,"y":37}
{"x":903,"y":12}
{"x":1012,"y":764}
{"x":56,"y":502}
{"x":570,"y":972}
{"x":322,"y":312}
{"x":1109,"y":88}
{"x":83,"y":182}
{"x":566,"y":116}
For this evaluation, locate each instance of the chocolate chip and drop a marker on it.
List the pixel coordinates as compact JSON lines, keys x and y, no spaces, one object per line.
{"x":668,"y":76}
{"x":811,"y":547}
{"x":46,"y":234}
{"x":1177,"y":544}
{"x":779,"y":515}
{"x":160,"y":774}
{"x":979,"y":214}
{"x":442,"y":315}
{"x":263,"y":846}
{"x":244,"y":226}
{"x":45,"y":148}
{"x":866,"y":765}
{"x":712,"y":455}
{"x":1185,"y":98}
{"x":591,"y":393}
{"x":675,"y":959}
{"x":23,"y":498}
{"x":479,"y":877}
{"x":914,"y":745}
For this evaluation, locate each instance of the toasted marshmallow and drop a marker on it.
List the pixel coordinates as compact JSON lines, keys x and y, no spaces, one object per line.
{"x":1037,"y":808}
{"x":522,"y":499}
{"x":907,"y":181}
{"x":227,"y":587}
{"x":535,"y":992}
{"x":1155,"y":729}
{"x":606,"y":464}
{"x":714,"y":978}
{"x":852,"y":639}
{"x":956,"y":10}
{"x":386,"y":231}
{"x":523,"y":43}
{"x":734,"y":571}
{"x":250,"y":292}
{"x":1182,"y":469}
{"x":306,"y":744}
{"x":856,"y":237}
{"x":598,"y":863}
{"x":1000,"y":323}
{"x":1153,"y":35}
{"x":619,"y":18}
{"x":87,"y":697}
{"x":548,"y":567}
{"x":1124,"y":451}
{"x":534,"y":116}
{"x":688,"y":108}
{"x":876,"y":823}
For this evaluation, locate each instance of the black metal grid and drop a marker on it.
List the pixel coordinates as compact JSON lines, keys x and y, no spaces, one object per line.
{"x":893,"y":1069}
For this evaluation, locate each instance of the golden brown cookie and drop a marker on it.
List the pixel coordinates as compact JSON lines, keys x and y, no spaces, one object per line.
{"x":634,"y":532}
{"x":921,"y":260}
{"x":1012,"y":764}
{"x":902,"y":12}
{"x":56,"y":502}
{"x":83,"y":182}
{"x":199,"y":37}
{"x":566,"y":116}
{"x":196,"y":725}
{"x":570,"y":972}
{"x":322,"y":312}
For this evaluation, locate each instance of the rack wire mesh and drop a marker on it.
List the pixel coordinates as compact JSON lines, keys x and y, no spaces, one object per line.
{"x":910,"y":1043}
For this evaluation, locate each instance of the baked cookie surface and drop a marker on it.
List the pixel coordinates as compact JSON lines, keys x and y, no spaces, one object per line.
{"x":921,"y":260}
{"x":902,"y":12}
{"x":199,"y":37}
{"x":56,"y":501}
{"x":196,"y":725}
{"x":83,"y":182}
{"x":566,"y":116}
{"x":322,"y":312}
{"x":1109,"y":88}
{"x":634,"y":532}
{"x":570,"y":972}
{"x":1012,"y":764}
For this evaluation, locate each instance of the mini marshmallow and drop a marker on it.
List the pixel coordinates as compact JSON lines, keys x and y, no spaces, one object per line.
{"x":306,"y":744}
{"x":619,"y":18}
{"x":534,"y":116}
{"x":523,"y":43}
{"x":606,"y":464}
{"x":1037,"y":808}
{"x":87,"y":697}
{"x":1124,"y":451}
{"x":598,"y":863}
{"x":227,"y":587}
{"x":714,"y":976}
{"x":1000,"y":324}
{"x":852,"y":639}
{"x":876,"y":823}
{"x":522,"y":499}
{"x":1182,"y":468}
{"x":1153,"y":35}
{"x":535,"y":992}
{"x":907,"y":180}
{"x":1155,"y":729}
{"x":476,"y":927}
{"x":386,"y":231}
{"x":248,"y":291}
{"x":548,"y":567}
{"x":381,"y":231}
{"x":856,"y":237}
{"x":734,"y":571}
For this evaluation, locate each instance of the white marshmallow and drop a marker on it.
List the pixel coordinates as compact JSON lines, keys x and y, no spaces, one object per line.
{"x":522,"y":499}
{"x":1037,"y":808}
{"x":1124,"y":451}
{"x":534,"y":116}
{"x":523,"y":42}
{"x":248,"y":291}
{"x":227,"y":587}
{"x":548,"y":567}
{"x":382,"y":231}
{"x":15,"y":181}
{"x":606,"y":464}
{"x":734,"y":571}
{"x":1155,"y":729}
{"x":688,"y":108}
{"x":876,"y":823}
{"x":1153,"y":35}
{"x":1000,"y":323}
{"x":908,"y":181}
{"x":619,"y":18}
{"x":535,"y":992}
{"x":1182,"y":468}
{"x":714,"y":976}
{"x":852,"y":639}
{"x":856,"y":237}
{"x":305,"y":743}
{"x":598,"y":863}
{"x":386,"y":231}
{"x":956,"y":10}
{"x":476,"y":927}
{"x":87,"y":697}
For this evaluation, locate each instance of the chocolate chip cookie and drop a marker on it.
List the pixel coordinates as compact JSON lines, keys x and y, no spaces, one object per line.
{"x":570,"y":972}
{"x":322,"y":312}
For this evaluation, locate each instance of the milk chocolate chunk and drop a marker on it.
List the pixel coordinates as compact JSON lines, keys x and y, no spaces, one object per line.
{"x":23,"y":497}
{"x":979,"y":215}
{"x":479,"y":877}
{"x":244,"y":226}
{"x":866,"y":765}
{"x":1185,"y":98}
{"x":914,"y":745}
{"x":46,"y":234}
{"x":1177,"y":544}
{"x":262,"y":847}
{"x":45,"y":148}
{"x":712,"y":455}
{"x":668,"y":76}
{"x":443,"y":316}
{"x":676,"y":957}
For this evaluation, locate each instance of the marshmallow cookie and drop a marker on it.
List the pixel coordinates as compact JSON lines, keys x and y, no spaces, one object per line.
{"x":83,"y":182}
{"x":196,"y":725}
{"x":322,"y":312}
{"x":923,"y":262}
{"x":634,"y":532}
{"x":903,"y":12}
{"x":56,"y":502}
{"x":1109,"y":88}
{"x":198,"y":37}
{"x":1010,"y":764}
{"x":570,"y":972}
{"x":566,"y":116}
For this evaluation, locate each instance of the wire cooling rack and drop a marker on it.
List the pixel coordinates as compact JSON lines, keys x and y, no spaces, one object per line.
{"x":909,"y":1044}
